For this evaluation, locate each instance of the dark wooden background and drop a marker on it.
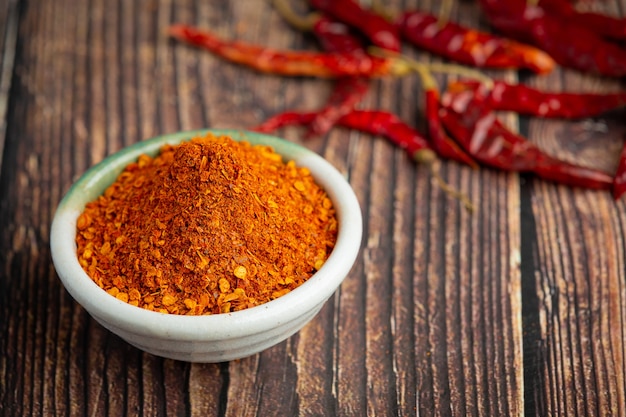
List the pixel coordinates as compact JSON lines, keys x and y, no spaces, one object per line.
{"x":516,"y":309}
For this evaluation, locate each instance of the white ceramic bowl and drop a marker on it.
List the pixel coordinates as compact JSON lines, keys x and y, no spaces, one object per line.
{"x":212,"y":338}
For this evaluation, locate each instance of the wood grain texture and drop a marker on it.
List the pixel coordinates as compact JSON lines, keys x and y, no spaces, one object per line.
{"x":517,"y":308}
{"x":9,"y":20}
{"x":580,"y":276}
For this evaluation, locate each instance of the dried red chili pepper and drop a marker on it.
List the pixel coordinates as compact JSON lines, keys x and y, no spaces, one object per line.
{"x":568,"y":43}
{"x":604,"y":25}
{"x":292,"y":63}
{"x":619,"y":180}
{"x":485,"y":138}
{"x":347,"y":91}
{"x":334,"y":37}
{"x":284,"y":119}
{"x":468,"y":46}
{"x":376,"y":28}
{"x":381,"y":123}
{"x":529,"y":101}
{"x":441,"y":142}
{"x":374,"y":122}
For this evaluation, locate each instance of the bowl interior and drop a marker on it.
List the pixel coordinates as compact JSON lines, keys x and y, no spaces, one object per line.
{"x":253,"y":320}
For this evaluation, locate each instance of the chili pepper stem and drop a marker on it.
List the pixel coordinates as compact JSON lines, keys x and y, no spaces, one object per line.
{"x":302,"y":23}
{"x":378,"y":7}
{"x":461,"y":71}
{"x":428,"y":158}
{"x":448,"y":189}
{"x":444,"y":12}
{"x":422,"y":67}
{"x":428,"y":81}
{"x":425,"y":156}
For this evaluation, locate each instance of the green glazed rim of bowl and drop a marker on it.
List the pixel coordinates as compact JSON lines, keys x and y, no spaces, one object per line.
{"x":108,"y":309}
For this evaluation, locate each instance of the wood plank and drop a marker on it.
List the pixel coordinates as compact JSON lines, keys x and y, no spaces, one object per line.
{"x":580,"y":274}
{"x":428,"y":322}
{"x":9,"y":19}
{"x":467,"y":289}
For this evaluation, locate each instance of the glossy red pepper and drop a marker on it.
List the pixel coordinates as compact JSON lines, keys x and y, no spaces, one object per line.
{"x":604,"y":25}
{"x":376,"y":28}
{"x":468,"y":46}
{"x":346,"y":94}
{"x":486,"y":139}
{"x":570,"y":44}
{"x":619,"y":180}
{"x":347,"y":91}
{"x":441,"y":142}
{"x":291,"y":63}
{"x":378,"y":122}
{"x":530,"y":101}
{"x":374,"y":122}
{"x":284,"y":119}
{"x":335,"y":36}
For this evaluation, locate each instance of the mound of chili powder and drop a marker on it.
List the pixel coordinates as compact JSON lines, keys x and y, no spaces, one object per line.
{"x":209,"y":226}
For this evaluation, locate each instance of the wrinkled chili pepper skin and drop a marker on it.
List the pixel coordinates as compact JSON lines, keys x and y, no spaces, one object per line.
{"x":619,"y":180}
{"x":439,"y":139}
{"x":491,"y":143}
{"x":568,"y":43}
{"x":606,"y":26}
{"x":508,"y":17}
{"x":284,"y":119}
{"x":346,"y":94}
{"x":530,"y":101}
{"x":347,"y":91}
{"x":374,"y":122}
{"x":291,"y":63}
{"x":573,"y":175}
{"x":474,"y":132}
{"x":376,"y":28}
{"x":377,"y":122}
{"x":335,"y":36}
{"x":468,"y":46}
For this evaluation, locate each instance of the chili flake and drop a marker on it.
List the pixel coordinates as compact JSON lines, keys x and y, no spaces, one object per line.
{"x":209,"y":226}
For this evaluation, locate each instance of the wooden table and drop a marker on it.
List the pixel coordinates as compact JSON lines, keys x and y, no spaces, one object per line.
{"x":517,"y":308}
